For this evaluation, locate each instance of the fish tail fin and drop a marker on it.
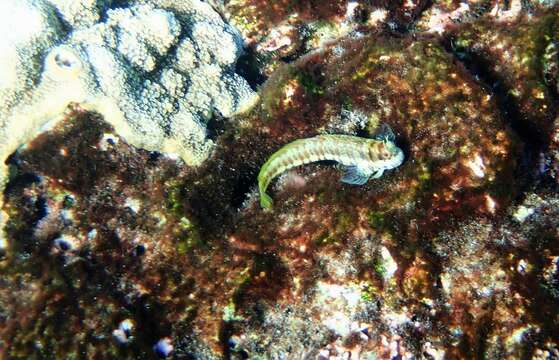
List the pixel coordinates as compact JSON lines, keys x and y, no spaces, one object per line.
{"x":265,"y":201}
{"x":263,"y":181}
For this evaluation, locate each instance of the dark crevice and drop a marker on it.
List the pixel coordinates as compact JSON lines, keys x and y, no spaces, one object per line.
{"x":249,"y":67}
{"x":363,"y":133}
{"x":404,"y":144}
{"x":22,"y":181}
{"x":242,"y":188}
{"x":509,"y":109}
{"x":483,"y":331}
{"x":225,"y":334}
{"x":215,"y":126}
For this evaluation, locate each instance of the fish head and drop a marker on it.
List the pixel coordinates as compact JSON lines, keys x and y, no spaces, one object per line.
{"x":388,"y":155}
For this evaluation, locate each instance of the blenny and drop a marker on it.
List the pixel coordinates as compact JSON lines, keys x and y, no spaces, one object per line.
{"x":363,"y":157}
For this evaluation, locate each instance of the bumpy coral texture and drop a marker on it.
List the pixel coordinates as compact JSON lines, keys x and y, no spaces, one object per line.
{"x":157,"y":70}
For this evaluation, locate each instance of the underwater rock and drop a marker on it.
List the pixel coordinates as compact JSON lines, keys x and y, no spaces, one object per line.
{"x":517,"y":59}
{"x":282,"y":32}
{"x":443,"y":16}
{"x":120,"y":252}
{"x":459,"y":152}
{"x":158,"y":71}
{"x":494,"y":303}
{"x":256,"y":18}
{"x":101,"y":248}
{"x":460,"y":160}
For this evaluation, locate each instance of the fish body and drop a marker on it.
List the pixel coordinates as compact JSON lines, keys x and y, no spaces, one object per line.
{"x":363,"y":157}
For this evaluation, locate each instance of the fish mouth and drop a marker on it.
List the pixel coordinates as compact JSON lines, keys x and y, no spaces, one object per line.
{"x":399,"y":158}
{"x":396,"y":161}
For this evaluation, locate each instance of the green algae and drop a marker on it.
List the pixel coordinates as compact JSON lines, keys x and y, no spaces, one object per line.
{"x":309,"y":83}
{"x":379,"y":267}
{"x":187,"y":234}
{"x":229,"y":313}
{"x":343,"y":222}
{"x":189,"y":237}
{"x":175,"y":198}
{"x":377,"y":220}
{"x":369,"y":292}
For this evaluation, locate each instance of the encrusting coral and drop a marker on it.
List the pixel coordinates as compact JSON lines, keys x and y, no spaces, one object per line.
{"x":157,"y":70}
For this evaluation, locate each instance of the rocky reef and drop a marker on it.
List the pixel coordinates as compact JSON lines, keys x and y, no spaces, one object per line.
{"x":158,"y":71}
{"x":114,"y":249}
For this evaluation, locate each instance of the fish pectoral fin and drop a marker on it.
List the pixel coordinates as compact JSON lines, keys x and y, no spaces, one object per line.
{"x":354,"y":176}
{"x":377,"y":174}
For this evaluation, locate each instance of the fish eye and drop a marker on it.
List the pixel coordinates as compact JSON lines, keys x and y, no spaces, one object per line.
{"x":390,"y":149}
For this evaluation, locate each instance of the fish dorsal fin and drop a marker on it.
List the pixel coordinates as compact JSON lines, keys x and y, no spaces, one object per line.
{"x":384,"y":133}
{"x":354,"y":176}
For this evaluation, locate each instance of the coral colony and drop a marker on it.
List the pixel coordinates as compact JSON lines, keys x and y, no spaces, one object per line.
{"x":142,"y":143}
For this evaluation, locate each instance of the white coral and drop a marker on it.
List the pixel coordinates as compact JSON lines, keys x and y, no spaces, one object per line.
{"x":143,"y":33}
{"x":82,"y":13}
{"x":156,"y":69}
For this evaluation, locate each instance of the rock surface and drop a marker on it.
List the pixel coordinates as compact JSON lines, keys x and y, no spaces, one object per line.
{"x":116,"y":251}
{"x":158,"y":71}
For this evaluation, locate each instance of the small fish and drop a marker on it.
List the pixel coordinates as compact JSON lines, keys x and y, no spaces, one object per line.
{"x":363,"y":158}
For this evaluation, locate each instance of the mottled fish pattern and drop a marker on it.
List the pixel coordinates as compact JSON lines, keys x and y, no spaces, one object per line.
{"x":363,"y":157}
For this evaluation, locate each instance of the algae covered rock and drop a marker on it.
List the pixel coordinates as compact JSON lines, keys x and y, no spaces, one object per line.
{"x":97,"y":237}
{"x":118,"y":251}
{"x":372,"y":243}
{"x":158,"y":71}
{"x":256,"y":18}
{"x":460,"y":154}
{"x":519,"y":58}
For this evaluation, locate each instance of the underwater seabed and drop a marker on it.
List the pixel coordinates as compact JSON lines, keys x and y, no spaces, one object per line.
{"x":132,"y":209}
